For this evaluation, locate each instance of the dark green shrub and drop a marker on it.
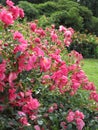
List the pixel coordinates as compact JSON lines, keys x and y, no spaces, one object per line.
{"x":94,"y":25}
{"x":76,"y":21}
{"x":86,"y":14}
{"x":30,"y":10}
{"x":47,"y":8}
{"x":91,"y":4}
{"x":86,"y":44}
{"x":60,"y":17}
{"x":69,"y":3}
{"x":44,"y":21}
{"x":69,"y":19}
{"x":86,"y":49}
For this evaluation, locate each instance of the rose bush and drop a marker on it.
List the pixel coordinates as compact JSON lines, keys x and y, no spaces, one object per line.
{"x":41,"y":85}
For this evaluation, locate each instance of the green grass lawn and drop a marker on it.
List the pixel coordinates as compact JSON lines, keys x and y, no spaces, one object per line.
{"x":91,"y":69}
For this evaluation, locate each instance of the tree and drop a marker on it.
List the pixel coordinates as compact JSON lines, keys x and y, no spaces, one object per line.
{"x":91,"y":4}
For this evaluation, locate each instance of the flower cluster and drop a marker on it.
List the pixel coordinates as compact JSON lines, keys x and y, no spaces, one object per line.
{"x":78,"y":117}
{"x":11,"y":13}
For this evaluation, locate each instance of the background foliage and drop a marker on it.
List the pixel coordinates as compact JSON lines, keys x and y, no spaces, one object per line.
{"x":65,"y":12}
{"x":86,"y":44}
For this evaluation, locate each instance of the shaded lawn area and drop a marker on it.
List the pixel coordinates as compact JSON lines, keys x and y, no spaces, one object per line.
{"x":91,"y":69}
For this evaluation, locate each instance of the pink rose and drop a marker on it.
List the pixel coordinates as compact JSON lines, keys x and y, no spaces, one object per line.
{"x":45,"y":64}
{"x":70,"y":116}
{"x":9,"y":3}
{"x":36,"y":127}
{"x":12,"y":77}
{"x":33,"y":26}
{"x":24,"y":121}
{"x":6,"y":17}
{"x":80,"y":123}
{"x":51,"y":109}
{"x":21,"y":13}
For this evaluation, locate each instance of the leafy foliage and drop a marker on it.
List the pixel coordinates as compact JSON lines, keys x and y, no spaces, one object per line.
{"x":29,"y":9}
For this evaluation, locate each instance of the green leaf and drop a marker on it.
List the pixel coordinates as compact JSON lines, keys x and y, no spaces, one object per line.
{"x":51,"y":118}
{"x":40,"y":122}
{"x":69,"y":127}
{"x":1,"y":28}
{"x":28,"y":128}
{"x":1,"y":59}
{"x":18,"y":54}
